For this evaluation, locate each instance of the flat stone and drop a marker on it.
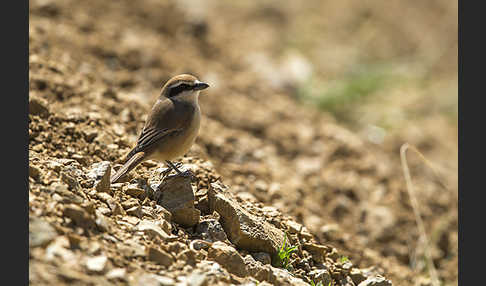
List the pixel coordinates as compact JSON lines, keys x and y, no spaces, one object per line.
{"x":320,"y":275}
{"x":159,"y":256}
{"x":263,"y":257}
{"x":149,"y":279}
{"x":151,"y":228}
{"x":132,"y":248}
{"x":283,"y":277}
{"x":79,"y":216}
{"x":133,"y":190}
{"x":376,"y":281}
{"x":102,"y":222}
{"x":175,"y":194}
{"x":96,"y":264}
{"x":256,"y":269}
{"x":104,"y":197}
{"x":34,"y":171}
{"x":228,"y":257}
{"x":317,"y":251}
{"x":101,"y":173}
{"x":40,"y":232}
{"x":245,"y":230}
{"x":211,"y":230}
{"x":38,"y":106}
{"x":116,"y":273}
{"x":197,"y":278}
{"x":135,"y":211}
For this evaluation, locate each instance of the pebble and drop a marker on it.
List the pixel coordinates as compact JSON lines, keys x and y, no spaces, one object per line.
{"x":116,"y":273}
{"x":96,"y":264}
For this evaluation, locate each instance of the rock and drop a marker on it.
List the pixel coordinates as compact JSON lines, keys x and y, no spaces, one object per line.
{"x":317,"y":251}
{"x":228,"y":257}
{"x":163,"y":213}
{"x":96,"y":264}
{"x":34,"y":171}
{"x":116,"y":273}
{"x":176,"y":247}
{"x":199,"y":244}
{"x":294,"y":227}
{"x":283,"y":277}
{"x":153,"y":229}
{"x":133,"y":190}
{"x":135,"y":211}
{"x":104,"y":197}
{"x":245,"y":230}
{"x":189,"y":256}
{"x":116,"y":207}
{"x":159,"y":256}
{"x":70,"y":180}
{"x":256,"y":269}
{"x":196,"y":278}
{"x":141,"y":184}
{"x":211,"y":230}
{"x":377,"y":280}
{"x":149,"y":279}
{"x":40,"y":232}
{"x":357,"y":275}
{"x":100,"y":172}
{"x":347,"y":281}
{"x":214,"y":271}
{"x":38,"y":106}
{"x":148,"y":211}
{"x":102,"y":222}
{"x":79,"y":216}
{"x":297,"y":228}
{"x":263,"y":257}
{"x":132,"y":248}
{"x":59,"y":248}
{"x":175,"y":194}
{"x":67,"y":196}
{"x":320,"y":275}
{"x":130,"y":203}
{"x":89,"y":134}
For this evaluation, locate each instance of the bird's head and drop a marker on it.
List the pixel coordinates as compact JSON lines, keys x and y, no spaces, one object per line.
{"x":183,"y":86}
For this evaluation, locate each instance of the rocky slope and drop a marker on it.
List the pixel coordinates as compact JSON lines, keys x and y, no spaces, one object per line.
{"x":268,"y":169}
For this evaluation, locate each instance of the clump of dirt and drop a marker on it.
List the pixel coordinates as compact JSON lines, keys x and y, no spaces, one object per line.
{"x":95,"y":68}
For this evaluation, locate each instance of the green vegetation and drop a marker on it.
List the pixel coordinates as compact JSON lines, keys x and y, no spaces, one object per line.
{"x":344,"y":259}
{"x":283,"y":256}
{"x":320,"y":283}
{"x":338,"y":97}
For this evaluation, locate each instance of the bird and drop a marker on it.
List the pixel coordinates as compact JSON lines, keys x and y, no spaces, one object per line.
{"x":171,"y":127}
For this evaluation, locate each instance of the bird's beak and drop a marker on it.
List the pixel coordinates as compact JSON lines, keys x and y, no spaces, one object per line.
{"x":200,"y":85}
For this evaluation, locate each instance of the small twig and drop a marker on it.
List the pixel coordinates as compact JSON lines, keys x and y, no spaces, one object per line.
{"x":416,"y":211}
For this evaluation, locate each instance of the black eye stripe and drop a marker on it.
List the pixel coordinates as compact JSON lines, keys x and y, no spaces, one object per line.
{"x":178,"y":89}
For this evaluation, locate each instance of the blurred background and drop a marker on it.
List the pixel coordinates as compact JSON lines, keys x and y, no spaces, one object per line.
{"x":291,"y":83}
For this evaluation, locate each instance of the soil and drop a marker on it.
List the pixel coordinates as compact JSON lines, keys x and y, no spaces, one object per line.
{"x":96,"y":67}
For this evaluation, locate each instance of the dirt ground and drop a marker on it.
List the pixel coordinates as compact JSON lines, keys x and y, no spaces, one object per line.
{"x":95,"y":68}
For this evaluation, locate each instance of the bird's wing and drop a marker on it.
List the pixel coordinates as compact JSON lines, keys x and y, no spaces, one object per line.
{"x":151,"y":136}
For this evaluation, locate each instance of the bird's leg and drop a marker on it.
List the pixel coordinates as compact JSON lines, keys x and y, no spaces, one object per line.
{"x":187,"y":173}
{"x":173,"y":167}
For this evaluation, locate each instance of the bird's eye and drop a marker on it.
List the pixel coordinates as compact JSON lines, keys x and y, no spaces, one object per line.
{"x":186,"y":86}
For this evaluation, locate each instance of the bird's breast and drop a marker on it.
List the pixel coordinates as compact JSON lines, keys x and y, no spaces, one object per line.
{"x":178,"y":145}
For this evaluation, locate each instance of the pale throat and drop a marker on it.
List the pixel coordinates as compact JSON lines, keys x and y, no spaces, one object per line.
{"x":191,"y":96}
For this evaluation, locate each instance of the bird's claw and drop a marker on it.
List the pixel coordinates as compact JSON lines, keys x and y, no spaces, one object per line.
{"x":186,"y":174}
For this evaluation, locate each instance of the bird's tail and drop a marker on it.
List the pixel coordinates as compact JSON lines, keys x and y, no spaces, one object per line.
{"x":128,"y":166}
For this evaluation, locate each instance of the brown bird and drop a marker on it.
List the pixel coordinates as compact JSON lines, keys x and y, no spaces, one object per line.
{"x":171,"y":127}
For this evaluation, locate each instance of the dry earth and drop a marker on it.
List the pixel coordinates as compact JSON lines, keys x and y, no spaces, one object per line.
{"x":265,"y":164}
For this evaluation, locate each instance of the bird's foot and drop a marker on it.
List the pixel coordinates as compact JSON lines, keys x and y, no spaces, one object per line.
{"x":185,"y":174}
